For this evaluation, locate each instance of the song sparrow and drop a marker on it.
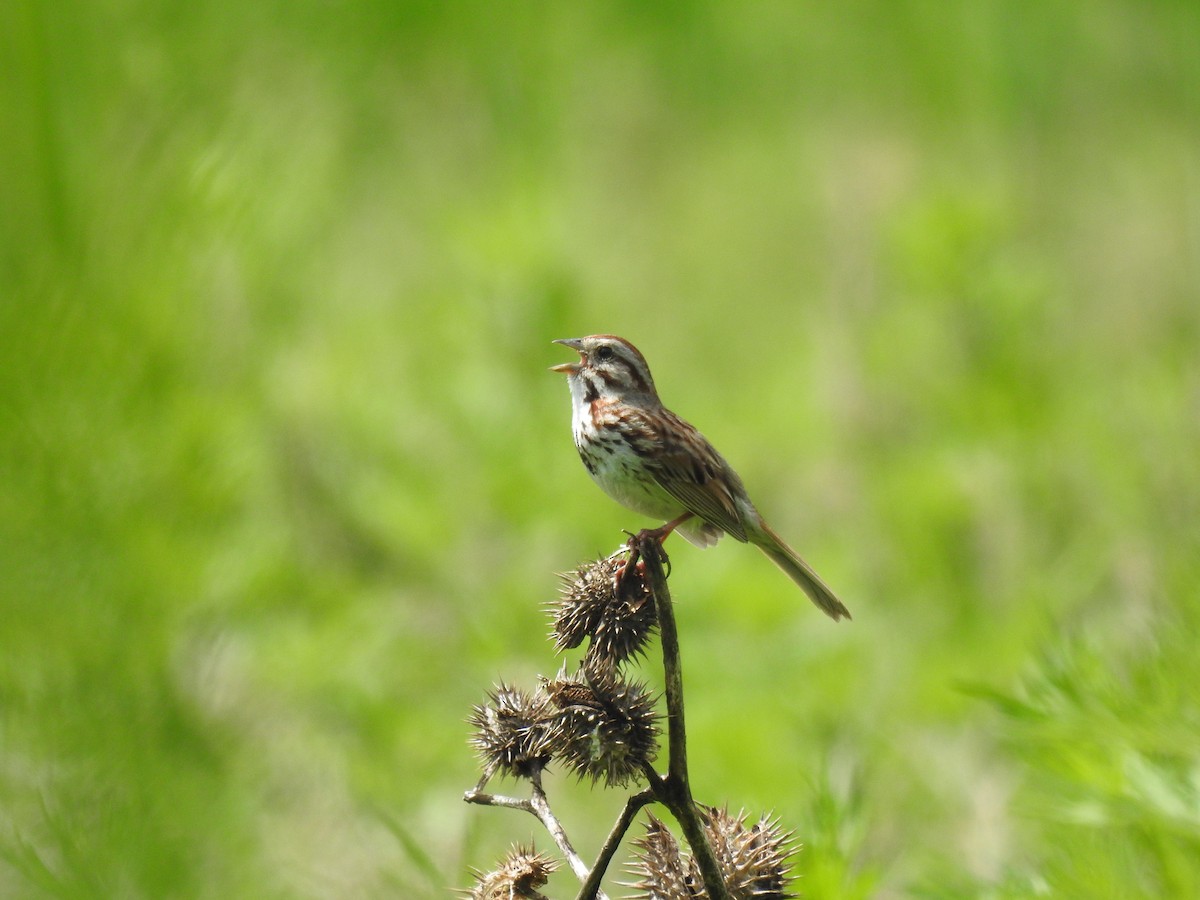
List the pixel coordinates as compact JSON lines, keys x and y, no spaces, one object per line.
{"x":650,"y":460}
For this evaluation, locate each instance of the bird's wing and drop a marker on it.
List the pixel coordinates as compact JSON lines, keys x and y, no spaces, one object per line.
{"x":696,"y":475}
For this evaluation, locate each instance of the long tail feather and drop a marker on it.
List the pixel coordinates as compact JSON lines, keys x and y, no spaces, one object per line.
{"x":800,"y":572}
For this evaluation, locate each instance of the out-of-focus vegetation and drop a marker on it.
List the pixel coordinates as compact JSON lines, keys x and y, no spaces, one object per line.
{"x":283,"y":479}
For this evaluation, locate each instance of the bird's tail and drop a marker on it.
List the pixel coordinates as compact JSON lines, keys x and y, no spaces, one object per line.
{"x":800,"y":572}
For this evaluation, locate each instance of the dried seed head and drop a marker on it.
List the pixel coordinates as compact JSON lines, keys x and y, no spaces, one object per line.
{"x":585,"y":594}
{"x":519,"y":875}
{"x":618,"y":621}
{"x":751,"y":859}
{"x":606,"y":727}
{"x":513,"y":731}
{"x":663,"y":872}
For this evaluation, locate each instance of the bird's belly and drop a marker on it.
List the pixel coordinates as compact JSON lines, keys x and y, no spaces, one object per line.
{"x":621,"y":475}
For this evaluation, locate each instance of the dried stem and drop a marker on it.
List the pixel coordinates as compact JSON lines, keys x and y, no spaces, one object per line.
{"x":541,"y":809}
{"x":538,"y":806}
{"x":674,"y":791}
{"x":591,"y":887}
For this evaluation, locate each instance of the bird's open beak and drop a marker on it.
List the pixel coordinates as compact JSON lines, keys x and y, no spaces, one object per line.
{"x":572,"y":367}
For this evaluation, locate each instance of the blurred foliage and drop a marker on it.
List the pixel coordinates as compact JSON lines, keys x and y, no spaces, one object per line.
{"x":284,"y":479}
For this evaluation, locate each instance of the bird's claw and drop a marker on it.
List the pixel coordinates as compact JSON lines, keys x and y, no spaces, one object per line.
{"x":633,"y":546}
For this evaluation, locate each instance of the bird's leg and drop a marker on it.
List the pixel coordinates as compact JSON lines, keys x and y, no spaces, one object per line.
{"x":659,"y":534}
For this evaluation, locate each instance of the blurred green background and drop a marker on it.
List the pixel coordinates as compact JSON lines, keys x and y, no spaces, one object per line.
{"x":284,"y":481}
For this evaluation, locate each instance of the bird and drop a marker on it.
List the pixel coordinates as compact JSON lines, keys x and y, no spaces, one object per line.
{"x":657,"y":464}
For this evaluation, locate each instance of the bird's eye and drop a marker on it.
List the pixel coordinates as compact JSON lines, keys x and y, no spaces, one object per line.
{"x":604,"y":354}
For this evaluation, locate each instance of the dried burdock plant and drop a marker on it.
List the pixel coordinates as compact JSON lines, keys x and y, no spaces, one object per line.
{"x":514,"y":731}
{"x":611,"y":606}
{"x":519,"y":875}
{"x":752,"y":859}
{"x":663,"y":872}
{"x":604,"y":727}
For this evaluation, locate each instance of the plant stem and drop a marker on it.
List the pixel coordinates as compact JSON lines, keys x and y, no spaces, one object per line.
{"x":675,"y":790}
{"x":591,"y":887}
{"x":541,"y":808}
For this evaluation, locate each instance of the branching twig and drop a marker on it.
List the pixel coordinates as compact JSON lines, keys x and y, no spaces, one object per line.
{"x":538,"y":806}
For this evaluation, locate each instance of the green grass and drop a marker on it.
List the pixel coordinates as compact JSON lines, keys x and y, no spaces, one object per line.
{"x":284,"y":481}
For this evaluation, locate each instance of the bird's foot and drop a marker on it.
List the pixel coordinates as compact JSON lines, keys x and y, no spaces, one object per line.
{"x":634,"y":547}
